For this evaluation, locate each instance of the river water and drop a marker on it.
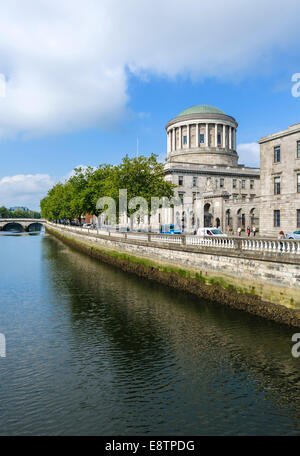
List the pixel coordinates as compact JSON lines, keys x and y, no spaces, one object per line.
{"x":91,"y":350}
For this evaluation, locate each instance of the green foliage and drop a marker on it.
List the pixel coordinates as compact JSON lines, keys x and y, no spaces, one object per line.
{"x":141,"y":177}
{"x":5,"y":213}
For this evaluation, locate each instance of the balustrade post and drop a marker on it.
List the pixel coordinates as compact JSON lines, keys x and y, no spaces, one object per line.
{"x":239,"y":244}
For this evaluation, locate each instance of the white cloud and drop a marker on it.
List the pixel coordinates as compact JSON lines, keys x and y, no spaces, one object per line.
{"x":24,"y":190}
{"x":66,"y":63}
{"x":249,"y":154}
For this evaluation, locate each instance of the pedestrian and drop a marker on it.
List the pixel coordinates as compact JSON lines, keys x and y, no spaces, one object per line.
{"x":239,"y":230}
{"x":254,"y":230}
{"x":281,"y":236}
{"x":248,"y":231}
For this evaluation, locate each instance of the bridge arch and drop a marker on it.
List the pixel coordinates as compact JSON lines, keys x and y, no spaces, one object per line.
{"x":14,"y":227}
{"x":35,"y":226}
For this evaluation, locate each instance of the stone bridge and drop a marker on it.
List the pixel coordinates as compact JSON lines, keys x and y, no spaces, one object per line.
{"x":21,"y":224}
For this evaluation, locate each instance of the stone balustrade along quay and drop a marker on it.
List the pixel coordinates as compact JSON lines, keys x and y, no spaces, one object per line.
{"x":260,"y":276}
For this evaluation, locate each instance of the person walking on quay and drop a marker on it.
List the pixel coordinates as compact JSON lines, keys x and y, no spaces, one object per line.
{"x":239,"y":230}
{"x":248,"y":231}
{"x":281,"y":236}
{"x":254,"y":230}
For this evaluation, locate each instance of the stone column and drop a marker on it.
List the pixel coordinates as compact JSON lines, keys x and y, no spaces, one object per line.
{"x":180,"y":137}
{"x":169,"y":142}
{"x":206,"y":136}
{"x":234,"y":139}
{"x":199,"y":211}
{"x":230,"y":137}
{"x":174,"y":140}
{"x":247,"y":219}
{"x":197,"y":135}
{"x":188,"y":136}
{"x":216,"y":135}
{"x":224,"y":136}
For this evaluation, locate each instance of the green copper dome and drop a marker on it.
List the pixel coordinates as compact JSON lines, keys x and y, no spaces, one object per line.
{"x":200,"y":109}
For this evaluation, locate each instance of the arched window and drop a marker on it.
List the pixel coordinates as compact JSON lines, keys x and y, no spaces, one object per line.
{"x":208,"y":217}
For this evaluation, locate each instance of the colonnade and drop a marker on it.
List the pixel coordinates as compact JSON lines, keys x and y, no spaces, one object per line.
{"x":227,"y":136}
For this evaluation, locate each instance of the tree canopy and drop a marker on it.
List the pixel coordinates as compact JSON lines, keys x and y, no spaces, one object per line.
{"x":141,"y":177}
{"x":18,"y":213}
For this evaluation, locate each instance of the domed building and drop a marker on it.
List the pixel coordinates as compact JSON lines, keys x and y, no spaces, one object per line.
{"x":202,"y":134}
{"x":203,"y":162}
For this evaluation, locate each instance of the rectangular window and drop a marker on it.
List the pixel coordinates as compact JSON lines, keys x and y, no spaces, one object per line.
{"x":298,"y":183}
{"x":233,"y":183}
{"x":194,"y":197}
{"x":219,"y":140}
{"x":298,"y":149}
{"x":276,"y":218}
{"x":277,"y":186}
{"x":194,"y":181}
{"x":221,"y":182}
{"x":252,"y":184}
{"x":243,"y":183}
{"x":185,"y":140}
{"x":277,"y":154}
{"x":298,"y":218}
{"x":202,"y":139}
{"x":180,"y":180}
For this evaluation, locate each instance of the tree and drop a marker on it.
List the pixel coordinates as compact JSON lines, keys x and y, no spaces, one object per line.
{"x":77,"y":186}
{"x":96,"y":187}
{"x":56,"y":205}
{"x":141,"y":177}
{"x":18,"y":213}
{"x":4,"y":212}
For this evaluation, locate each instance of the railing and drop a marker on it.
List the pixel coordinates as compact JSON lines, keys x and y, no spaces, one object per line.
{"x":137,"y":236}
{"x":279,"y":247}
{"x":167,"y":238}
{"x":271,"y":245}
{"x":219,"y":242}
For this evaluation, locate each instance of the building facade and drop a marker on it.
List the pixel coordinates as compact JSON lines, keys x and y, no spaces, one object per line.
{"x":214,"y":189}
{"x":280,"y":182}
{"x":203,"y":162}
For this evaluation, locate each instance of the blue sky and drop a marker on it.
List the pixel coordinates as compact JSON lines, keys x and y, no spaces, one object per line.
{"x":83,"y":84}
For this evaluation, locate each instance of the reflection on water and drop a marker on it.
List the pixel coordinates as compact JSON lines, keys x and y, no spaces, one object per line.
{"x":93,"y":350}
{"x":15,"y":232}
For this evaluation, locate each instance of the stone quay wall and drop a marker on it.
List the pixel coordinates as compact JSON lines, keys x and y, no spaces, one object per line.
{"x":266,"y":277}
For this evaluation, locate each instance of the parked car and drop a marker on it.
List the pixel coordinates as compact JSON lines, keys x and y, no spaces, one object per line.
{"x":210,"y":232}
{"x":293,"y":235}
{"x":170,"y":229}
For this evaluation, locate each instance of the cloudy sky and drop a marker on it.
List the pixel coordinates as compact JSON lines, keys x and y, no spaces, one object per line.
{"x":85,"y":79}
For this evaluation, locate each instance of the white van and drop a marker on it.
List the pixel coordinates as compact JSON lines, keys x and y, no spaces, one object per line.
{"x":210,"y":232}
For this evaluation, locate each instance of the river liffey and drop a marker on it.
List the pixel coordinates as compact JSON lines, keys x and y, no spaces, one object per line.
{"x":91,"y":350}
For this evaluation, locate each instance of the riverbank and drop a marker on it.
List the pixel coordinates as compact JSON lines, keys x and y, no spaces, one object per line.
{"x":233,"y":293}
